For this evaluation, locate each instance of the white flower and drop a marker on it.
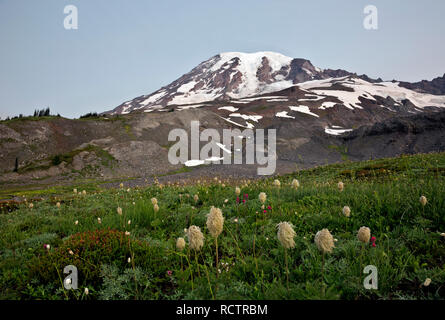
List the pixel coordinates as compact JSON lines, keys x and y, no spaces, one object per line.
{"x":427,"y":282}
{"x":99,"y":220}
{"x":71,"y":252}
{"x":76,"y":222}
{"x":86,"y":291}
{"x":129,"y":222}
{"x":127,"y":233}
{"x":129,"y":260}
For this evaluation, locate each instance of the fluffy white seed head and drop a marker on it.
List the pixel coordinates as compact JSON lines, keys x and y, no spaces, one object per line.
{"x":195,"y":238}
{"x":427,"y":282}
{"x":364,"y":234}
{"x":215,"y":221}
{"x":346,"y":211}
{"x":340,"y":186}
{"x":286,"y":235}
{"x":119,"y":211}
{"x":423,"y":200}
{"x":324,"y":241}
{"x":295,"y":183}
{"x":277,"y":183}
{"x":154,"y":201}
{"x":180,"y":244}
{"x":58,"y":204}
{"x":262,"y":196}
{"x":237,"y":191}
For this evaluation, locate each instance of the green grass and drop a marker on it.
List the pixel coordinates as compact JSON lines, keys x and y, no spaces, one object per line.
{"x":382,"y":194}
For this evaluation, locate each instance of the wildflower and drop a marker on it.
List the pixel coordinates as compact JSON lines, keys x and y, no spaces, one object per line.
{"x":346,"y":211}
{"x":84,"y":192}
{"x":58,"y":204}
{"x":244,"y":200}
{"x":46,"y":246}
{"x":442,"y":234}
{"x":246,"y":196}
{"x":196,"y":198}
{"x":121,"y":185}
{"x":119,"y":211}
{"x":129,"y":260}
{"x":269,"y":208}
{"x":227,"y":200}
{"x":127,"y":233}
{"x":364,"y":234}
{"x":154,"y":201}
{"x":423,"y":200}
{"x":71,"y":252}
{"x":295,"y":184}
{"x":262,"y":196}
{"x":427,"y":282}
{"x":128,"y":190}
{"x":31,"y":205}
{"x":286,"y":235}
{"x":180,"y":244}
{"x":265,"y":211}
{"x":195,"y":238}
{"x":76,"y":222}
{"x":156,"y":208}
{"x":237,"y":191}
{"x":129,"y":222}
{"x":340,"y":186}
{"x":99,"y":220}
{"x":86,"y":291}
{"x":75,"y":191}
{"x":237,"y":199}
{"x":324,"y":241}
{"x":169,"y":273}
{"x":215,"y":221}
{"x":235,"y":220}
{"x":277,"y":183}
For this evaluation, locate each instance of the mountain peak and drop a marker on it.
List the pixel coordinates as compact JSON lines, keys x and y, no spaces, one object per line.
{"x":229,"y":75}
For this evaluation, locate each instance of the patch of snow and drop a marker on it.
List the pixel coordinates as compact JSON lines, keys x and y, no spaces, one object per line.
{"x":229,"y":108}
{"x":186,"y":87}
{"x":246,"y":117}
{"x":303,"y":109}
{"x":283,"y":114}
{"x":193,"y":163}
{"x":336,"y":132}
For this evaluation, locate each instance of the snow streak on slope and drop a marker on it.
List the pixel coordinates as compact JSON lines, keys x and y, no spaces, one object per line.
{"x":367,"y":90}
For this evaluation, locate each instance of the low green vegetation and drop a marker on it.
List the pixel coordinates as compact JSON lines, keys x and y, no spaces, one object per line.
{"x":123,"y":242}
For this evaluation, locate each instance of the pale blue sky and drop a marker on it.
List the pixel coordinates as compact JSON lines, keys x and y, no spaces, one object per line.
{"x":124,"y":48}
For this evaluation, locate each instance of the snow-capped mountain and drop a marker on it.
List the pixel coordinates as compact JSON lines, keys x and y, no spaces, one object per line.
{"x":228,"y":76}
{"x":237,"y":79}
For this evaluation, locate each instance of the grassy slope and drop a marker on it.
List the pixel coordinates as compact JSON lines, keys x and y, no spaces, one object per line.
{"x":383,"y":195}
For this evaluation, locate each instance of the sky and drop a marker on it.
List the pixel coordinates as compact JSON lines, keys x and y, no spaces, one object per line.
{"x":123,"y":49}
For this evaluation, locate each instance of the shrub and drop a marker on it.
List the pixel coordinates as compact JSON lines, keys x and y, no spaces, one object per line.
{"x":90,"y":250}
